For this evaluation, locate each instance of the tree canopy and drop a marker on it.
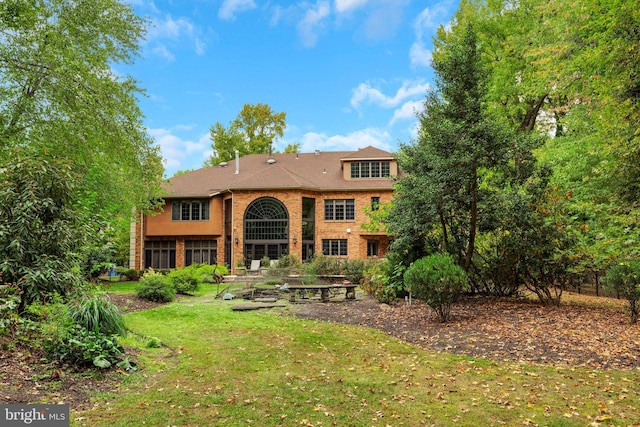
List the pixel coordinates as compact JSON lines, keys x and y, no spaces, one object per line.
{"x":63,"y":104}
{"x":473,"y":188}
{"x":59,"y":92}
{"x":251,"y":132}
{"x":569,"y":72}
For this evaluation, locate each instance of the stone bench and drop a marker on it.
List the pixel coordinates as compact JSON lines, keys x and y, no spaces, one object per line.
{"x":295,"y":289}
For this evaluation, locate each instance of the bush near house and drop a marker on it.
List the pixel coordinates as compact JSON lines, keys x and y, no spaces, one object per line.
{"x":186,"y":281}
{"x":205,"y":271}
{"x":437,"y":280}
{"x":129,"y":273}
{"x":376,"y":283}
{"x":155,"y":286}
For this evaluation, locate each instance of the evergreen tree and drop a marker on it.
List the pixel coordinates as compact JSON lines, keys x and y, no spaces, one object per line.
{"x":440,"y":201}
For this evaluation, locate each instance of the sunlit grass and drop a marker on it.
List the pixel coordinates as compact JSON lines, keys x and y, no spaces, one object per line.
{"x":121,"y":288}
{"x":221,"y":367}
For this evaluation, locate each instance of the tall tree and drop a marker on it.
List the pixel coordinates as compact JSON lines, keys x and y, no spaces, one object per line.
{"x":456,"y":146}
{"x":571,"y":67}
{"x":251,"y":132}
{"x":58,"y":92}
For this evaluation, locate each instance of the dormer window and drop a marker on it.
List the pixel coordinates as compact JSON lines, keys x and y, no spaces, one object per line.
{"x":371,"y":169}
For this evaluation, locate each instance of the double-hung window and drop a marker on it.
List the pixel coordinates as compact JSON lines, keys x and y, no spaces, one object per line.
{"x":339,"y":210}
{"x":190,"y":210}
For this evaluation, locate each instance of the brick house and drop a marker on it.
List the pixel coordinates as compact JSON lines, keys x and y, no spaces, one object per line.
{"x":268,"y":205}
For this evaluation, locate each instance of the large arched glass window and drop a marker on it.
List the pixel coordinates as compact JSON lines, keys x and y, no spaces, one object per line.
{"x":266,"y":229}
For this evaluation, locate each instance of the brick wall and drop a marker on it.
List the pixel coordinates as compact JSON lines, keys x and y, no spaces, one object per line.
{"x":292,"y":199}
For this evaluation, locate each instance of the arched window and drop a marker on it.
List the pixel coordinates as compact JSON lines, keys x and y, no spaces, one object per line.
{"x":266,"y":229}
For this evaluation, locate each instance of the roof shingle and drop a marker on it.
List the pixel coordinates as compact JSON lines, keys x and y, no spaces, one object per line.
{"x":322,"y":171}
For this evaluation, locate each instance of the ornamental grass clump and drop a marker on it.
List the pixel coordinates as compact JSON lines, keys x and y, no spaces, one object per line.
{"x":624,"y":278}
{"x":437,"y":280}
{"x":97,"y":313}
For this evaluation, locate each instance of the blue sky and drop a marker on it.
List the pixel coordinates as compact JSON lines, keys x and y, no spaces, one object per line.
{"x":347,"y":73}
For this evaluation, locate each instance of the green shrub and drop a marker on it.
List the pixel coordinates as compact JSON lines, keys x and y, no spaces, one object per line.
{"x":324,"y":265}
{"x":41,"y":228}
{"x":205,"y":271}
{"x":353,"y":270}
{"x":52,"y":320}
{"x":129,"y":273}
{"x":9,"y":302}
{"x":624,"y":278}
{"x":185,"y":280}
{"x":82,"y":347}
{"x":287,"y":261}
{"x":154,"y":286}
{"x":97,"y":313}
{"x":375,"y":282}
{"x":437,"y":280}
{"x":97,"y":260}
{"x":284,"y":265}
{"x":403,"y":252}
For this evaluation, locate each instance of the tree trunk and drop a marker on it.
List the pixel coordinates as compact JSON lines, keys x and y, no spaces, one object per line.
{"x":473,"y":223}
{"x":530,"y":117}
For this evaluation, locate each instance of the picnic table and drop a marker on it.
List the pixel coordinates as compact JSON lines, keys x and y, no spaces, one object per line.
{"x":295,"y":289}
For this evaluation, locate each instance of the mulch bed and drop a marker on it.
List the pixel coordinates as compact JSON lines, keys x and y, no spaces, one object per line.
{"x":500,"y":330}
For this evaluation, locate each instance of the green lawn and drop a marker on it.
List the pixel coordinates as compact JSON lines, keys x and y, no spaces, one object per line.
{"x":122,"y":288}
{"x":220,"y":367}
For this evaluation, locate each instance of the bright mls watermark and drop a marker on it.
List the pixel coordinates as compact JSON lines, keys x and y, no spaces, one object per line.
{"x":34,"y":415}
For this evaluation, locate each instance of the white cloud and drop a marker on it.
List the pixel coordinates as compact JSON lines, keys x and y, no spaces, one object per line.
{"x":179,"y":153}
{"x":349,"y":5}
{"x":429,"y":19}
{"x":408,"y":111}
{"x":313,"y":23}
{"x":169,"y":28}
{"x":230,"y":8}
{"x":312,"y":141}
{"x":365,"y":93}
{"x":424,"y":26}
{"x":199,"y":46}
{"x":419,"y":55}
{"x":166,"y":33}
{"x":162,"y":51}
{"x":384,"y":20}
{"x":370,"y":19}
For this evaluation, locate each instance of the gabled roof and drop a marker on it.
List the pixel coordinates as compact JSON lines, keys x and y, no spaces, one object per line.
{"x":313,"y":171}
{"x":368,"y":153}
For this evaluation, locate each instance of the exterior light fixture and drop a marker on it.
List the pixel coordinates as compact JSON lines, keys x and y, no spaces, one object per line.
{"x":295,"y":240}
{"x":236,"y":240}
